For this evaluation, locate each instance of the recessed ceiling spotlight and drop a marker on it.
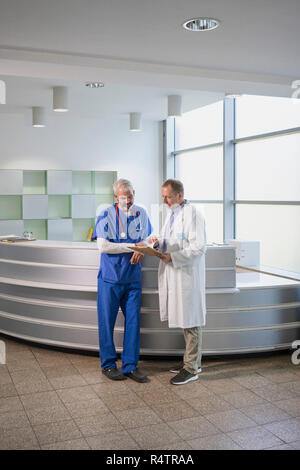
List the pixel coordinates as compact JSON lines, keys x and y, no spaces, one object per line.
{"x":201,"y":24}
{"x":94,"y":84}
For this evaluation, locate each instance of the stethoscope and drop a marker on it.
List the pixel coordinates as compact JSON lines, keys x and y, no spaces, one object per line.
{"x":123,"y":234}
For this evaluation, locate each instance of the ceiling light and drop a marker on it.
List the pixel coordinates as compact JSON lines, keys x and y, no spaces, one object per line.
{"x":201,"y":24}
{"x":174,"y":106}
{"x":95,"y":84}
{"x":60,"y":99}
{"x":135,"y":121}
{"x":38,"y":117}
{"x":2,"y":92}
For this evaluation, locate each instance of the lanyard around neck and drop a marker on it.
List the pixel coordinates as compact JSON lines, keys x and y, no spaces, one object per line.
{"x":123,"y":234}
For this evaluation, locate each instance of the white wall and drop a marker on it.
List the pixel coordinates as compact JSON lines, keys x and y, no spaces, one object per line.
{"x":75,"y":143}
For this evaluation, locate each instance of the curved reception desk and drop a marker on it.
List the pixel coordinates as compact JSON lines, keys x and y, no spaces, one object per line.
{"x":48,"y":293}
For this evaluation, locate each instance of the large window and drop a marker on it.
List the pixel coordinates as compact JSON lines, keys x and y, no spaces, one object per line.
{"x":262,"y":192}
{"x":199,"y":163}
{"x":269,"y":169}
{"x":201,"y":126}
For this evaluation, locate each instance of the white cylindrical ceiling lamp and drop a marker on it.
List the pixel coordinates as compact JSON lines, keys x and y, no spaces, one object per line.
{"x":60,"y":99}
{"x":135,"y":121}
{"x":2,"y":92}
{"x":38,"y":116}
{"x":174,"y":105}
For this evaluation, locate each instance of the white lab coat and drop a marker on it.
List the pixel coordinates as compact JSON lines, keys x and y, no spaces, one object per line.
{"x":181,"y":282}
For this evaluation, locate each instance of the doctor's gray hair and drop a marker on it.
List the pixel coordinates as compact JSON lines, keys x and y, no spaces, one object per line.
{"x":124,"y":184}
{"x":176,"y":185}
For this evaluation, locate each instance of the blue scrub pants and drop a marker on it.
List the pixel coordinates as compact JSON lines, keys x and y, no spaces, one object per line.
{"x":110,"y":297}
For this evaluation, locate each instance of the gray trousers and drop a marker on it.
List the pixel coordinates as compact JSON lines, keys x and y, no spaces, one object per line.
{"x":193,"y":349}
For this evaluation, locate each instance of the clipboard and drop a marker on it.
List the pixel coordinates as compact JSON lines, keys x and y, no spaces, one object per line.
{"x":146,"y":250}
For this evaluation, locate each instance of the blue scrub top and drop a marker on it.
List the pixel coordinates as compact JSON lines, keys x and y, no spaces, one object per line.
{"x":117,"y":267}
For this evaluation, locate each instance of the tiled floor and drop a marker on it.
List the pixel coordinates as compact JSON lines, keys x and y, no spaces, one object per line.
{"x":60,"y":400}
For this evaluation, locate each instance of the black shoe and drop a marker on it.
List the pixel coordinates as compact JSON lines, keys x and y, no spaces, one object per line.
{"x":183,"y":377}
{"x":137,"y":375}
{"x":113,"y":373}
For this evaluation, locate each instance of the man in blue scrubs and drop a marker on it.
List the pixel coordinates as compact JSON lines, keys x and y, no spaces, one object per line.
{"x":120,"y":280}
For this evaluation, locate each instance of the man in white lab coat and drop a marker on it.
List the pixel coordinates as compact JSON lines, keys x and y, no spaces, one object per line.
{"x":181,"y":275}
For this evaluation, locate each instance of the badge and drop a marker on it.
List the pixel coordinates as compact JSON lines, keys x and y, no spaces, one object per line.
{"x":123,"y":234}
{"x":180,"y":236}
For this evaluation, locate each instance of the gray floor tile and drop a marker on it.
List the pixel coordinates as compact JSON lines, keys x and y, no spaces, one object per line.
{"x":292,"y":387}
{"x":137,"y":417}
{"x":178,"y":445}
{"x":67,"y":382}
{"x":21,"y":364}
{"x":13,"y":419}
{"x":22,"y":438}
{"x":112,"y":441}
{"x":275,"y":392}
{"x":281,"y":447}
{"x":98,"y":424}
{"x":191,"y":428}
{"x":40,"y":400}
{"x":122,"y":401}
{"x":267,"y":413}
{"x":242,"y":399}
{"x":257,"y":438}
{"x":93,"y":377}
{"x":18,"y":355}
{"x":27,"y":375}
{"x":287,"y":431}
{"x":291,"y":406}
{"x":209,"y":403}
{"x":33,"y":386}
{"x":49,"y":414}
{"x":75,"y":444}
{"x":191,"y":390}
{"x":5,"y":377}
{"x":158,"y":396}
{"x":77,"y":393}
{"x":56,"y":432}
{"x":8,"y":390}
{"x":86,"y":407}
{"x":10,"y":404}
{"x":252,"y":381}
{"x":53,"y":372}
{"x":295,"y":445}
{"x":230,"y":420}
{"x":175,"y":411}
{"x":278,"y":375}
{"x":111,"y":386}
{"x":223,"y":386}
{"x":154,"y":435}
{"x":215,"y":442}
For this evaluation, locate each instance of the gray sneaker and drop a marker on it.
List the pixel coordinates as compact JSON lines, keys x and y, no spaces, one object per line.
{"x":177,"y":368}
{"x":183,"y":378}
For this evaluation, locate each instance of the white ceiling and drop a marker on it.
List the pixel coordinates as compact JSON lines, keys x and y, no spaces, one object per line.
{"x":140,"y":46}
{"x":113,"y":99}
{"x":260,"y":36}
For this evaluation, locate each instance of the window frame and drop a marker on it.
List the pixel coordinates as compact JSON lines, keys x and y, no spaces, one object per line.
{"x":229,"y":163}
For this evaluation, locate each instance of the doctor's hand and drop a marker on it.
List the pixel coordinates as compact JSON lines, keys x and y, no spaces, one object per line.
{"x":136,"y":258}
{"x":166,"y":257}
{"x":153,"y":241}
